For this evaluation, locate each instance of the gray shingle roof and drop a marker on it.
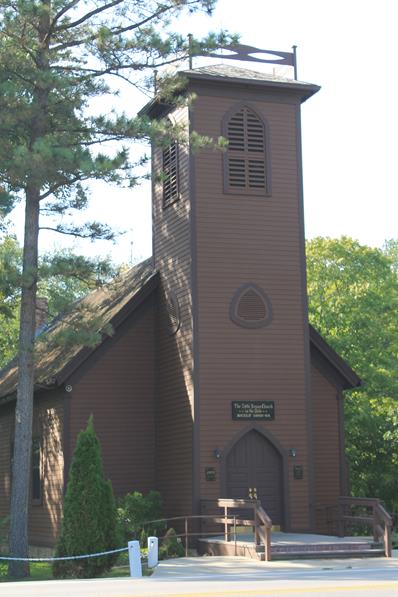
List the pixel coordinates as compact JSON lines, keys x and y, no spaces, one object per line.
{"x":229,"y":71}
{"x":104,"y":305}
{"x":217,"y":73}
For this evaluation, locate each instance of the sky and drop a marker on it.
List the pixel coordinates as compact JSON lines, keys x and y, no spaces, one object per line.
{"x":349,"y":128}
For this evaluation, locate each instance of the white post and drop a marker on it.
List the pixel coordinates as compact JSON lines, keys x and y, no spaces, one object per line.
{"x":135,"y":559}
{"x":153,"y":544}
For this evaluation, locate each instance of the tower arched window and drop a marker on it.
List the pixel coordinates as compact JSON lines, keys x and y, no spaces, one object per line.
{"x":247,"y":169}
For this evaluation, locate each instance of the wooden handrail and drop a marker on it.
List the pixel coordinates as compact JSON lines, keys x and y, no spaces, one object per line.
{"x":232,"y":503}
{"x":261,"y":522}
{"x":378,"y":518}
{"x":386,"y":520}
{"x":382,"y":512}
{"x":263,"y":528}
{"x":261,"y":513}
{"x":362,"y":501}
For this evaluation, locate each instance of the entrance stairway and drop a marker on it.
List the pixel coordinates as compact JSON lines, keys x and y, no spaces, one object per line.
{"x":262,"y":541}
{"x":287,"y":546}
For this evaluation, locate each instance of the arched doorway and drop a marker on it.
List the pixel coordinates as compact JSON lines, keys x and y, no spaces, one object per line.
{"x":254,"y":469}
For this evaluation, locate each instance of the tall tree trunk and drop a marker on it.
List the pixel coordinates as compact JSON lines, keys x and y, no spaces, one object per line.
{"x":21,"y":470}
{"x":20,"y":492}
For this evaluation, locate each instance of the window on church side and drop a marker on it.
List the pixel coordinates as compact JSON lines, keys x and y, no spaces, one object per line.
{"x":36,"y":470}
{"x":170,"y":174}
{"x":246,"y":156}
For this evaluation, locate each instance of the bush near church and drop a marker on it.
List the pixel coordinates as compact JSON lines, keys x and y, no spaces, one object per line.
{"x":135,"y":513}
{"x":89,"y":524}
{"x":140,"y":516}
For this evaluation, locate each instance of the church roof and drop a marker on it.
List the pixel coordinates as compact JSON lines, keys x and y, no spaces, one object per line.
{"x":234,"y":75}
{"x":229,"y":71}
{"x":106,"y":307}
{"x":335,"y":363}
{"x":110,"y":305}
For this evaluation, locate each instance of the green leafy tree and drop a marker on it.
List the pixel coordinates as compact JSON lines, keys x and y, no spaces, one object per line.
{"x":353,"y":302}
{"x":10,"y":270}
{"x":56,"y":57}
{"x":391,"y":250}
{"x":89,"y":522}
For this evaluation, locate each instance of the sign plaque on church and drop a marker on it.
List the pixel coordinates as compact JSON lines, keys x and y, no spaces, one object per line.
{"x":260,"y":410}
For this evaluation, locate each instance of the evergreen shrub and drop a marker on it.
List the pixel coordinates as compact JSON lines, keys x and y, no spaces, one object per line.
{"x":89,"y":523}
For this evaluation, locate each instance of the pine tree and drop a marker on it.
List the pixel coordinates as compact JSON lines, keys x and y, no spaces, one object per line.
{"x":89,"y":523}
{"x":57,"y":56}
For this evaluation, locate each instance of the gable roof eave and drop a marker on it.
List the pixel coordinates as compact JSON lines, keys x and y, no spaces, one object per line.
{"x":347,"y":375}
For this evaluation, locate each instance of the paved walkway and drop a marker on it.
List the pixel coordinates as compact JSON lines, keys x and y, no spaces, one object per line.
{"x":233,"y":577}
{"x":222,"y":567}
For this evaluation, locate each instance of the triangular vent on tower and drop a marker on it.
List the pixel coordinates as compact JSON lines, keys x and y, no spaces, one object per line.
{"x":251,"y":307}
{"x":246,"y":157}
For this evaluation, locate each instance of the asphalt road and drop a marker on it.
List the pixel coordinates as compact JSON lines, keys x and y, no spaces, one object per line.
{"x":227,"y":577}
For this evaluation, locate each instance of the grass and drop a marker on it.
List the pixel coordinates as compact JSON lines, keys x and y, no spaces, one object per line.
{"x":38,"y":571}
{"x":43,"y":571}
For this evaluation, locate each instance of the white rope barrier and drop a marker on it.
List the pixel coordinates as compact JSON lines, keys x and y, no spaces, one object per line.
{"x":135,"y":557}
{"x":60,"y":559}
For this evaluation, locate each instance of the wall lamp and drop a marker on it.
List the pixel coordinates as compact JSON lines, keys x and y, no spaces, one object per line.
{"x":217,"y":453}
{"x":292,"y":452}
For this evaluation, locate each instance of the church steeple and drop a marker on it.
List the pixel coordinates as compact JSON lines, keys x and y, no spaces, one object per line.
{"x":230,"y":251}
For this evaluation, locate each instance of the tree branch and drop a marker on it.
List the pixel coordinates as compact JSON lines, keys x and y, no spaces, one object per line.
{"x":115,"y":31}
{"x":69,"y":182}
{"x":111,"y":69}
{"x":67,"y":232}
{"x":25,"y":49}
{"x":62,"y":12}
{"x":87,"y":16}
{"x":143,"y":22}
{"x":91,"y":230}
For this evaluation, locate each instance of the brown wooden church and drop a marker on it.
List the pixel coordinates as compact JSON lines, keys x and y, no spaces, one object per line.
{"x":213,"y":384}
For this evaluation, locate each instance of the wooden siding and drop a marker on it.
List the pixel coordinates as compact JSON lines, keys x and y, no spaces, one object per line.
{"x":116,"y":385}
{"x":44,"y":518}
{"x":6,"y":434}
{"x":174,"y":386}
{"x":242,"y":239}
{"x":327,"y":462}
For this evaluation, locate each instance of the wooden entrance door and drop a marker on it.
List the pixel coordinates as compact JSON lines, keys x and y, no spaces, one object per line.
{"x":254,"y":470}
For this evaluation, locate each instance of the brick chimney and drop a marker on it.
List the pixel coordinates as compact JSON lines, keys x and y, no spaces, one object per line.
{"x":41,"y":312}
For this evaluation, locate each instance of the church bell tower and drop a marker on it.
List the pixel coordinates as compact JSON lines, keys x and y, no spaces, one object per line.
{"x":233,"y":385}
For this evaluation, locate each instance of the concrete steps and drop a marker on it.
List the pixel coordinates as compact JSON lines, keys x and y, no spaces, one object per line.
{"x":324,"y":551}
{"x":288,"y":548}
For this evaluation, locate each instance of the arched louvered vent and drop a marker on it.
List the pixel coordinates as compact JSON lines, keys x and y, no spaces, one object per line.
{"x":251,"y":307}
{"x":170,"y":174}
{"x":172,"y":314}
{"x":246,"y":157}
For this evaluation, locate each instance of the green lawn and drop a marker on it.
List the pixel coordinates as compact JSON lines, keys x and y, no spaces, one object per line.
{"x":38,"y":571}
{"x":43,"y":571}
